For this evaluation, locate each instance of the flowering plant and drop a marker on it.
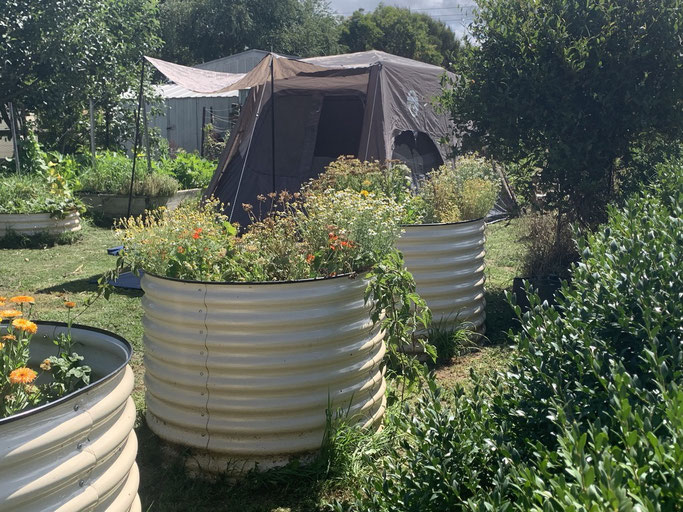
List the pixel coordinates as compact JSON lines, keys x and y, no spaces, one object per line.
{"x":20,"y":385}
{"x":451,"y":193}
{"x":316,"y":233}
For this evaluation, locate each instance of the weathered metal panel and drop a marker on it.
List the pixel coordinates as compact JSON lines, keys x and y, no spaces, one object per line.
{"x":77,"y":453}
{"x":35,"y":223}
{"x":243,"y":373}
{"x":447,"y":262}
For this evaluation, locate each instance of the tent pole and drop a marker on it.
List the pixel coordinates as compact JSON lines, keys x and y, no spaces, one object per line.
{"x":272,"y":113}
{"x":137,"y":133}
{"x":246,"y":153}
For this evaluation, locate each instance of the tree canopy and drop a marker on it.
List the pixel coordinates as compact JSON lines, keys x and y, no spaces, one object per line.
{"x":57,"y":55}
{"x":402,"y":32}
{"x":197,"y":31}
{"x":568,"y":86}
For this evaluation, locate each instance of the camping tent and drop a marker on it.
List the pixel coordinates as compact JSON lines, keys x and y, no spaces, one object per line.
{"x":371,"y":104}
{"x":302,"y":114}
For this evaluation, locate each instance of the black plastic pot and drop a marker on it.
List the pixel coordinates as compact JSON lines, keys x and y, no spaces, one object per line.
{"x":545,"y":286}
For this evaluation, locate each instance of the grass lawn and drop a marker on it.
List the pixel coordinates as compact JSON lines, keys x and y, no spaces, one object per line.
{"x":63,"y":272}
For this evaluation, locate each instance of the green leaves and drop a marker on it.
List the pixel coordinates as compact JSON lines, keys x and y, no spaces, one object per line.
{"x":570,"y":87}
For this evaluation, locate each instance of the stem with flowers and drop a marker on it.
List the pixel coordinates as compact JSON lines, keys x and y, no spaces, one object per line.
{"x":18,"y":388}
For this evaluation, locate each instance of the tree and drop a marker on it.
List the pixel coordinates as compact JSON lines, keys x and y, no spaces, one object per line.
{"x":57,"y":55}
{"x":568,"y":87}
{"x":201,"y":30}
{"x":402,"y":32}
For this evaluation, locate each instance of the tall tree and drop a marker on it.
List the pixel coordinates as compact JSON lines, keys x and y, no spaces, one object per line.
{"x":568,"y":86}
{"x":201,"y":30}
{"x":55,"y":55}
{"x":402,"y":32}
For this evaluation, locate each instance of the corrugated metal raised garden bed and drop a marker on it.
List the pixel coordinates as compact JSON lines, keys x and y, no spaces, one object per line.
{"x":77,"y":452}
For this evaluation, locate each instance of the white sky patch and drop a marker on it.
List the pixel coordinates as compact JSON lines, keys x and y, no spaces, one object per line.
{"x":457,"y":14}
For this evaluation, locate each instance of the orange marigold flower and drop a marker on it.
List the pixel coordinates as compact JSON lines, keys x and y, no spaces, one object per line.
{"x":22,"y":375}
{"x":3,"y":299}
{"x":69,"y":304}
{"x":23,"y":299}
{"x":25,"y":325}
{"x":9,"y":337}
{"x":196,"y":233}
{"x":10,"y":313}
{"x":180,"y":249}
{"x":2,"y":304}
{"x":310,"y":258}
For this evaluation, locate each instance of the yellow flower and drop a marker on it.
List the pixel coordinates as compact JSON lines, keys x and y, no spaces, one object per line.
{"x":25,"y":325}
{"x":46,"y":365}
{"x":70,"y":305}
{"x":2,"y":345}
{"x":10,"y":313}
{"x":22,"y":375}
{"x":23,"y":299}
{"x":364,"y":193}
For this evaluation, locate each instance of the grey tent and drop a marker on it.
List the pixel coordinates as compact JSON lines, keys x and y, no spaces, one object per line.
{"x":372,"y":105}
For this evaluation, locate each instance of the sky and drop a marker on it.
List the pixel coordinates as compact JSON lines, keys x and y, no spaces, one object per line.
{"x":454,"y":13}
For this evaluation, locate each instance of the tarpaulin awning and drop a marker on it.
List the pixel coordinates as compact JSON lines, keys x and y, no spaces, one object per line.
{"x":213,"y":82}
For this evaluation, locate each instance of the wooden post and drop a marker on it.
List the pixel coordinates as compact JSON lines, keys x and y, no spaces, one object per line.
{"x":201,"y":147}
{"x":137,"y":135}
{"x":146,"y":129}
{"x":15,"y":143}
{"x":92,"y":133}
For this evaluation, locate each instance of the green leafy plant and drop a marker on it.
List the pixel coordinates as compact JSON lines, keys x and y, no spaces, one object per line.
{"x":588,"y":415}
{"x":112,"y":175}
{"x":65,"y":372}
{"x":46,"y":192}
{"x":399,"y":311}
{"x":191,"y":170}
{"x":464,"y":191}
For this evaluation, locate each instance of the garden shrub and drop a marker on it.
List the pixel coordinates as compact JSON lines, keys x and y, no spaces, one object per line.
{"x":112,"y":174}
{"x":547,"y":251}
{"x":464,"y":191}
{"x":589,"y":414}
{"x":46,"y":192}
{"x":190,"y":169}
{"x":451,"y":193}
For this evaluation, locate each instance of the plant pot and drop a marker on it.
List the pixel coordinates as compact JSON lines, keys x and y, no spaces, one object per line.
{"x":546,"y":287}
{"x":447,"y":262}
{"x":242,"y":374}
{"x":31,"y":224}
{"x":114,"y":206}
{"x":78,"y":452}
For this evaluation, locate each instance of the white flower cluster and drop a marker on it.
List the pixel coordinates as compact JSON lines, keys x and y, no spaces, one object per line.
{"x":372,"y":223}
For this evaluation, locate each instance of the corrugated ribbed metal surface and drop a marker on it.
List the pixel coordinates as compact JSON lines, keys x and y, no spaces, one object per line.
{"x":243,"y":373}
{"x":78,"y":453}
{"x":447,"y":262}
{"x":35,"y":223}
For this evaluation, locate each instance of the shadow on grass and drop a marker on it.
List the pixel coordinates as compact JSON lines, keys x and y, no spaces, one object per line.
{"x":499,"y":317}
{"x":88,"y":284}
{"x":14,"y":240}
{"x":165,"y":486}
